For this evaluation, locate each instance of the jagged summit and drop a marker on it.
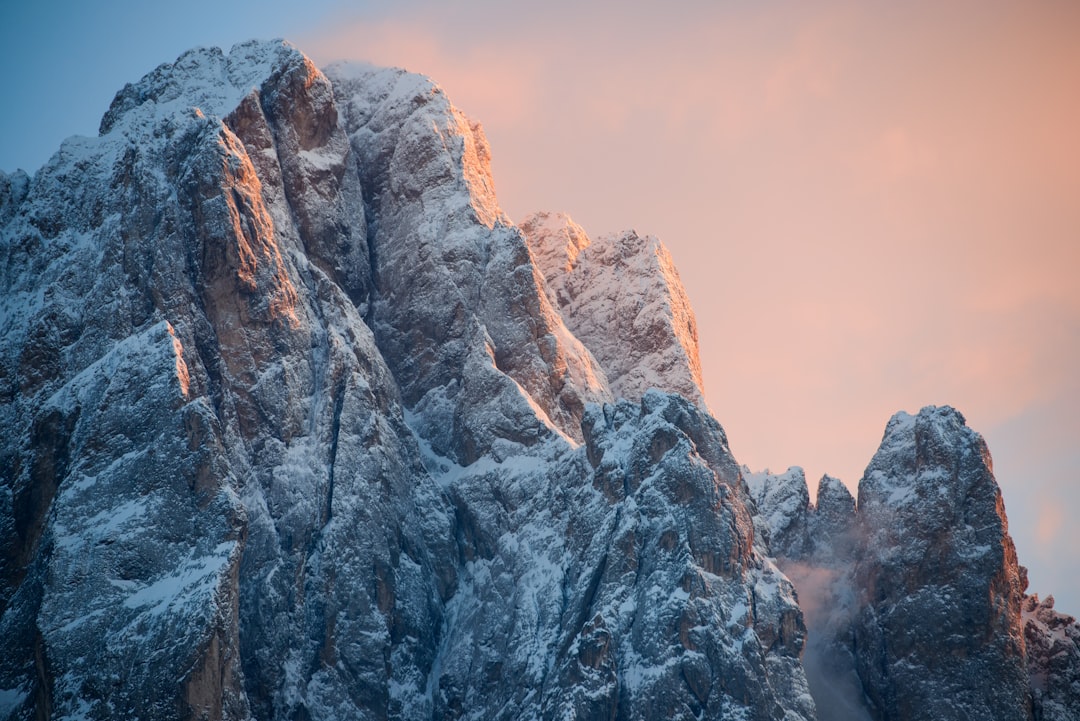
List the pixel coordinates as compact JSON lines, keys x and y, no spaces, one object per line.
{"x":294,"y":421}
{"x":622,"y":296}
{"x":920,"y":583}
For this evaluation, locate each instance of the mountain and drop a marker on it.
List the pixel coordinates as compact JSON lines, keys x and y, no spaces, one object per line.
{"x":917,"y":597}
{"x":301,"y":426}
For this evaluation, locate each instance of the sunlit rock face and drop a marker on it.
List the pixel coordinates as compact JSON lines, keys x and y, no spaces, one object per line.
{"x":294,"y":430}
{"x":622,"y":296}
{"x":212,"y":498}
{"x":460,"y":313}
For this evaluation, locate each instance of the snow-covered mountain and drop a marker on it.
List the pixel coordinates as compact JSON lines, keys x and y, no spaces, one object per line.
{"x":299,"y":425}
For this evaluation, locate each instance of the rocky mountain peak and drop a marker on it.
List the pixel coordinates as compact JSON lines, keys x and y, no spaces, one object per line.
{"x":598,"y":287}
{"x":294,"y":422}
{"x":938,"y":549}
{"x":917,"y":589}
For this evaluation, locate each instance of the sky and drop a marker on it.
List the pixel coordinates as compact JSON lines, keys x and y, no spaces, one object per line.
{"x":874,"y":206}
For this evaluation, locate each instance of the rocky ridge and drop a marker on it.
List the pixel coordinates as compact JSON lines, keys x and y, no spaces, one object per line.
{"x":915,"y":600}
{"x":304,"y":427}
{"x":621,"y":295}
{"x":297,"y":433}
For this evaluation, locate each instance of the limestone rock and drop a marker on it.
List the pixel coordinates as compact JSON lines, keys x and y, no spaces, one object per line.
{"x":622,"y":297}
{"x":295,"y":432}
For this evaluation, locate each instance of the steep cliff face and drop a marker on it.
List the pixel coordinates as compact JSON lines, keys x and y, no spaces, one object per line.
{"x":914,"y":601}
{"x":295,"y":431}
{"x":211,"y":477}
{"x":621,"y":295}
{"x":939,"y":634}
{"x":1053,"y":660}
{"x":816,"y":546}
{"x":619,"y":580}
{"x":298,"y":425}
{"x":461,"y":313}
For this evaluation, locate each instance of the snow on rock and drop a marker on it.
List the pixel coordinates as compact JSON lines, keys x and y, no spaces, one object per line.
{"x":814,"y":546}
{"x":234,"y":514}
{"x":618,"y":580}
{"x":783,"y":504}
{"x":461,"y":313}
{"x":299,"y":425}
{"x":622,"y":297}
{"x":1053,"y":659}
{"x":295,"y":431}
{"x":913,"y":598}
{"x":13,"y":189}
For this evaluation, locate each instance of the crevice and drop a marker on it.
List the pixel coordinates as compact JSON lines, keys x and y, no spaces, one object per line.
{"x":339,"y":401}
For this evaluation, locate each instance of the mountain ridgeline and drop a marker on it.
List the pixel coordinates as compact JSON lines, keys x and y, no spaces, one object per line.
{"x":300,"y":426}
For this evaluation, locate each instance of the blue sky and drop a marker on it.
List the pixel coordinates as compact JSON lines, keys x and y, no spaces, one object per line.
{"x":63,"y":61}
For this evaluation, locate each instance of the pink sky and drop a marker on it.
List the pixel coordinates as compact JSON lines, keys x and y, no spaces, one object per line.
{"x":873,"y":206}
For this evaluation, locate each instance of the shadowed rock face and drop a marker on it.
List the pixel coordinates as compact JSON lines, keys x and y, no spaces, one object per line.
{"x":914,"y":602}
{"x":227,"y":462}
{"x":294,"y":431}
{"x":939,"y":634}
{"x":1053,"y":660}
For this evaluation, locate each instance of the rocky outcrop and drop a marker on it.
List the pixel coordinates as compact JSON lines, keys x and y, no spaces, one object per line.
{"x":939,"y":633}
{"x":619,"y":581}
{"x":815,"y":545}
{"x":621,"y":295}
{"x":461,"y":313}
{"x":209,"y":467}
{"x":913,"y":601}
{"x":1053,"y":660}
{"x":13,"y":188}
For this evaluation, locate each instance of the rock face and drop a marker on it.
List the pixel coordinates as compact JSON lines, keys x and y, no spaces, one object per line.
{"x":915,"y":602}
{"x":815,"y":546}
{"x":460,"y":313}
{"x":295,"y":431}
{"x":939,"y":634}
{"x":622,"y":296}
{"x":1053,"y":660}
{"x":213,"y":496}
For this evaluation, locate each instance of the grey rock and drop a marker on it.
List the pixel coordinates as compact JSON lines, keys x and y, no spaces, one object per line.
{"x":456,"y":284}
{"x":939,"y":634}
{"x":1053,"y":660}
{"x":199,"y":413}
{"x":619,"y":580}
{"x":295,"y":432}
{"x":913,"y":600}
{"x":13,"y":189}
{"x":622,"y":296}
{"x":298,"y":425}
